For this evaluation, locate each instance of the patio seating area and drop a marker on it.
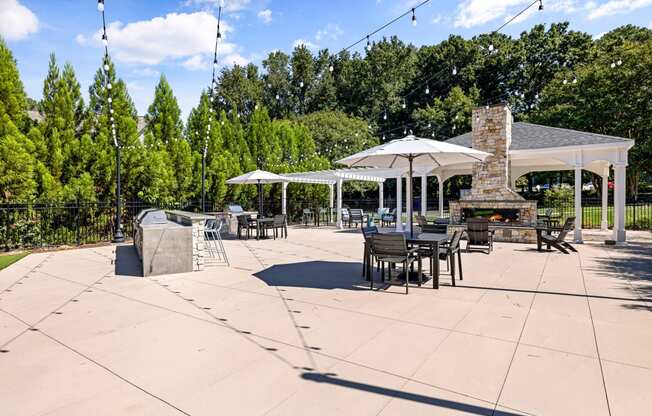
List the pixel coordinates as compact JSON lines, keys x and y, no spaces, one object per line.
{"x":292,"y":328}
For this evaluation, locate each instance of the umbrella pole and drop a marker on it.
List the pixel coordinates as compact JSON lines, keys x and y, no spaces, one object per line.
{"x":410,"y":158}
{"x":260,"y":200}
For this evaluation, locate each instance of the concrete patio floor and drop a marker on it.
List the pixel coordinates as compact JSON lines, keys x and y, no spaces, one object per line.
{"x":291,"y":329}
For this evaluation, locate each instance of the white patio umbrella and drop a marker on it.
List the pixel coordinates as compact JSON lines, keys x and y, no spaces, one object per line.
{"x":257,"y":177}
{"x":412,"y":151}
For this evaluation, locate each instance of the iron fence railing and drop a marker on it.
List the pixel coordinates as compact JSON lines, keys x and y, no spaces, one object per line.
{"x":43,"y":224}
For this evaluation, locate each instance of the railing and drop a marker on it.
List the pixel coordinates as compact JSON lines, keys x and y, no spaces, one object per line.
{"x":43,"y":224}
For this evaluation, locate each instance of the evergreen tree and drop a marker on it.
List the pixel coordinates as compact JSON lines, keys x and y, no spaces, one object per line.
{"x":13,"y":101}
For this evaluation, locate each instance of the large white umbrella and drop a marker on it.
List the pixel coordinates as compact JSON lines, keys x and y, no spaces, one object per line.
{"x":412,"y":151}
{"x":257,"y":177}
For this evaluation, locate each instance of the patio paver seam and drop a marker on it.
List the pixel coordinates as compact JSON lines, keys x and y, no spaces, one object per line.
{"x":102,"y":366}
{"x":49,"y":314}
{"x":520,"y":336}
{"x":595,"y":336}
{"x":25,"y":275}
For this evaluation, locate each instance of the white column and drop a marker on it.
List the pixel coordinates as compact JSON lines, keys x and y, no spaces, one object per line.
{"x":424,"y":194}
{"x":604,"y":223}
{"x":408,"y":202}
{"x":381,"y":196}
{"x":330,"y":197}
{"x":284,"y":198}
{"x":578,"y":204}
{"x":440,"y":185}
{"x":619,"y":203}
{"x":339,"y":203}
{"x":399,"y":203}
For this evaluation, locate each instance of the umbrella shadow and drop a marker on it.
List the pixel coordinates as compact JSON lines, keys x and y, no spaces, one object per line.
{"x":315,"y":274}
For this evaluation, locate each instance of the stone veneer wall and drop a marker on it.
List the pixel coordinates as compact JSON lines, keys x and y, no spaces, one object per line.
{"x":505,"y":233}
{"x":492,"y":133}
{"x":196,"y":221}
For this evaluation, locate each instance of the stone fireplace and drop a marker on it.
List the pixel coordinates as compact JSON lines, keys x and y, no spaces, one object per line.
{"x":510,"y":214}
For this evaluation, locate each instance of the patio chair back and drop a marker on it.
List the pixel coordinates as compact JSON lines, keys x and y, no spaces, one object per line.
{"x":382,"y":212}
{"x":421,"y":221}
{"x":389,"y":245}
{"x":477,"y":230}
{"x":279,"y":220}
{"x":307,"y":211}
{"x":356,"y":214}
{"x":243,"y":220}
{"x":455,"y":241}
{"x":345,"y":214}
{"x":369,"y":231}
{"x":568,"y":226}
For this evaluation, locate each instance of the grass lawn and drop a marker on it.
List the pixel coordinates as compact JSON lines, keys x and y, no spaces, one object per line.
{"x":6,"y":260}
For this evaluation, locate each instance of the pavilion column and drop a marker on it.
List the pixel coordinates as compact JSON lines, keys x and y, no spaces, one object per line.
{"x":619,"y":203}
{"x":399,"y":203}
{"x":408,"y":202}
{"x":331,"y":196}
{"x":381,"y":196}
{"x":440,"y":186}
{"x":424,"y":194}
{"x":284,"y":198}
{"x":604,"y":222}
{"x":578,"y":204}
{"x":339,"y":203}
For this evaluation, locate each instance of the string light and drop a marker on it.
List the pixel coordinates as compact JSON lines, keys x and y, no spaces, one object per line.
{"x":427,"y":90}
{"x":540,"y":5}
{"x":565,"y":81}
{"x":331,"y":68}
{"x":491,"y":47}
{"x":414,"y":18}
{"x":574,"y":80}
{"x":301,"y":84}
{"x":620,"y":62}
{"x":100,"y":6}
{"x":385,"y":115}
{"x":613,"y":64}
{"x":404,"y":105}
{"x":454,"y":70}
{"x":368,"y":46}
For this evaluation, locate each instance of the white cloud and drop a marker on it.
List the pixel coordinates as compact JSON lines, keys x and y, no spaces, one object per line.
{"x":305,"y":43}
{"x":146,"y":72}
{"x":81,"y":39}
{"x":265,"y":16}
{"x":16,"y":21}
{"x":330,"y":32}
{"x":478,"y":12}
{"x":170,"y":37}
{"x":227,"y":5}
{"x":195,"y":63}
{"x":616,"y":7}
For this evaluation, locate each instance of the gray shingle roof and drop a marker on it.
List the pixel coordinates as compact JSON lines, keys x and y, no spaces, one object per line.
{"x":527,"y":136}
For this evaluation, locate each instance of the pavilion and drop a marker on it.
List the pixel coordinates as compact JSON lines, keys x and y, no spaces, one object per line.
{"x":533,"y":148}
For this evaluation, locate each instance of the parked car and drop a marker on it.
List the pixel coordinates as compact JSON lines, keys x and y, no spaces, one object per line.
{"x":588,"y":187}
{"x":610,"y":184}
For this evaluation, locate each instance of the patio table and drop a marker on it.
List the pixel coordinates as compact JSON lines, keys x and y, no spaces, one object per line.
{"x":431,"y":240}
{"x":261,"y":225}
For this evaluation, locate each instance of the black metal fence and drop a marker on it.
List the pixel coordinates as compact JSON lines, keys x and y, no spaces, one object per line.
{"x":41,"y":224}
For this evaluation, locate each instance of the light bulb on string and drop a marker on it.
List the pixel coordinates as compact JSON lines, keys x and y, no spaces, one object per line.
{"x":574,"y":80}
{"x":278,"y":97}
{"x":540,"y":5}
{"x":110,"y":100}
{"x":222,"y":122}
{"x":536,"y":96}
{"x":432,"y":134}
{"x":106,"y":67}
{"x":385,"y":115}
{"x":619,"y":62}
{"x":368,"y":46}
{"x":100,"y":6}
{"x":427,"y":90}
{"x":491,"y":47}
{"x":331,"y":68}
{"x":454,"y":70}
{"x":404,"y":104}
{"x":105,"y":40}
{"x":454,"y":126}
{"x":384,"y":137}
{"x":613,"y":64}
{"x":301,"y":84}
{"x":565,"y":81}
{"x":111,"y":111}
{"x":404,"y":131}
{"x":109,"y":86}
{"x":215,"y":63}
{"x":429,"y":125}
{"x":414,"y":18}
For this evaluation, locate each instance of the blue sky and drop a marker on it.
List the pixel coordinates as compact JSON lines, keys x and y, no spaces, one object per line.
{"x":175,"y":37}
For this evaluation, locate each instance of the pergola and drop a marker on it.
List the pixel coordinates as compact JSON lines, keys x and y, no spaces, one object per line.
{"x":537,"y":148}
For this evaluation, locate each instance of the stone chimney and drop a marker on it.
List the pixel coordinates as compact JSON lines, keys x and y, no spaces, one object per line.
{"x":492,"y":133}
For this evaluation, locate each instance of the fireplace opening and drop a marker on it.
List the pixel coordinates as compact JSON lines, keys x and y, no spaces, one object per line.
{"x":495,"y":215}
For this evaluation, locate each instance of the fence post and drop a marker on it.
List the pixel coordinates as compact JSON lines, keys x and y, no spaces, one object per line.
{"x":77,"y":224}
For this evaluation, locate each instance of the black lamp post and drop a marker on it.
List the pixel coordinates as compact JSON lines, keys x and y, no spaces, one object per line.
{"x":119,"y":236}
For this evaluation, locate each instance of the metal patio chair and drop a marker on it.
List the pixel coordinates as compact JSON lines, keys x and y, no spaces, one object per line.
{"x":557,"y":241}
{"x":213,"y":240}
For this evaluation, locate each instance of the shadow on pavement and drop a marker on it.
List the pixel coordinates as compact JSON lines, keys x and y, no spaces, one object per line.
{"x":315,"y":274}
{"x":404,"y":395}
{"x":127,"y":262}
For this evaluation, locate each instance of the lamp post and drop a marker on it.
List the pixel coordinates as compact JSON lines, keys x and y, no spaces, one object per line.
{"x":118,"y":235}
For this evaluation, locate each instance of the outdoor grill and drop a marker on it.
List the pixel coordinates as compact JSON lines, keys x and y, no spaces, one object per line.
{"x":163,"y":246}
